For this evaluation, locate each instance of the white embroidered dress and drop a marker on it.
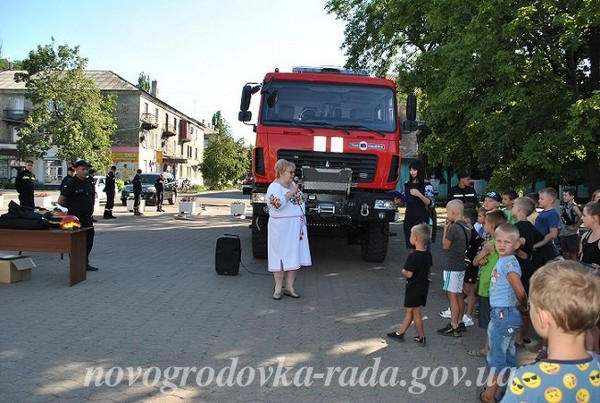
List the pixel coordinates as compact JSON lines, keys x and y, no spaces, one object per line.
{"x":287,"y":238}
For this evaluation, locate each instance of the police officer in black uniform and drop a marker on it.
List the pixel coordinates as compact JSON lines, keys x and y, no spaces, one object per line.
{"x":137,"y":192}
{"x":70,"y":173}
{"x":159,"y":185}
{"x":78,"y":196}
{"x":463,"y":191}
{"x":109,"y":189}
{"x":24,"y":183}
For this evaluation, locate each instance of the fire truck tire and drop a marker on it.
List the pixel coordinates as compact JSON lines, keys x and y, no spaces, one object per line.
{"x":259,"y":239}
{"x":374,"y":242}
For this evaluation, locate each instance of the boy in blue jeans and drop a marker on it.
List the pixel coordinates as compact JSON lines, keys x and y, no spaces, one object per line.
{"x":507,"y":296}
{"x":564,"y":303}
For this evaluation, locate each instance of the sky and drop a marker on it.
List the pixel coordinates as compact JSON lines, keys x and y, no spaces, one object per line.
{"x":201,"y":52}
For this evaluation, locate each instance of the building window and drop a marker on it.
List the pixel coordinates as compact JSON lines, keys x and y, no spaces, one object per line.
{"x":145,"y":107}
{"x":156,"y":113}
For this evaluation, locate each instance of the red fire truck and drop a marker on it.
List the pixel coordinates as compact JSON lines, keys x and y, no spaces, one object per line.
{"x":341,"y":130}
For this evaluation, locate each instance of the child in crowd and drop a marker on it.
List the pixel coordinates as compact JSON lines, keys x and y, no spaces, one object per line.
{"x":547,"y":221}
{"x":535,"y":198}
{"x":471,"y":271}
{"x":508,"y":198}
{"x":590,"y":242}
{"x":569,"y":374}
{"x":491,"y":201}
{"x":454,"y":242}
{"x":486,"y":259}
{"x":590,"y":255}
{"x":416,"y":271}
{"x":547,"y":224}
{"x":522,"y":208}
{"x":507,"y":299}
{"x":570,"y":220}
{"x":480,"y":222}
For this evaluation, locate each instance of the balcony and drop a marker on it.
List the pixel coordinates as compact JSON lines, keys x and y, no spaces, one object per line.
{"x":149,"y":121}
{"x":15,"y":116}
{"x":170,"y":130}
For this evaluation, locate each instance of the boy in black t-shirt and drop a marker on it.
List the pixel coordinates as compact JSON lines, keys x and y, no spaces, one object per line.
{"x":416,"y":271}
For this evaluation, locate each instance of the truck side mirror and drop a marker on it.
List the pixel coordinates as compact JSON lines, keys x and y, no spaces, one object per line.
{"x":245,"y":116}
{"x":245,"y":101}
{"x":411,"y":107}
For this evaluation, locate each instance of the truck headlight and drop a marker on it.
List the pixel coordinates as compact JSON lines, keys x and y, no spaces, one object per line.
{"x":259,"y":197}
{"x":385,"y":205}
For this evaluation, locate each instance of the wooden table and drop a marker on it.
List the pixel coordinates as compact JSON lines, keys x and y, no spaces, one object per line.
{"x":50,"y":240}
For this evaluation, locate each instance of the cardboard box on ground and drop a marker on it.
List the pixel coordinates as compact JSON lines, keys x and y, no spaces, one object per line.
{"x":15,"y":268}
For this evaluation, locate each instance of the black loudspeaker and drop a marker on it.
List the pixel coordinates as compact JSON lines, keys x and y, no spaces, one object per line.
{"x":228,"y":254}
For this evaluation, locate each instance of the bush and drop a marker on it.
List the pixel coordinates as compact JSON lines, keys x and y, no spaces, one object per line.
{"x":196,"y":189}
{"x":8,"y":185}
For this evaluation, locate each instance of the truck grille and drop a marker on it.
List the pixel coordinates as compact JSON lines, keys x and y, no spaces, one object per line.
{"x":363,"y":165}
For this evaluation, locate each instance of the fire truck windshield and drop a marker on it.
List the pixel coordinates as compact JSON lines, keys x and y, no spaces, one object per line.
{"x":309,"y":104}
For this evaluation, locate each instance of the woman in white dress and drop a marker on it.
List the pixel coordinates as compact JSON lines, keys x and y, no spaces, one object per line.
{"x":287,"y":238}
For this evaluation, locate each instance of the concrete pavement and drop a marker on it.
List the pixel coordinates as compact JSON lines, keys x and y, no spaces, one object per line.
{"x":157,"y":303}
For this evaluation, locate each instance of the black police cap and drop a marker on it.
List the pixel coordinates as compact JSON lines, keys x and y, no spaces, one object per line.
{"x":81,"y":163}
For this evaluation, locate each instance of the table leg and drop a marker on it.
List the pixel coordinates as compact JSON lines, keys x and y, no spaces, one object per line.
{"x":77,"y":259}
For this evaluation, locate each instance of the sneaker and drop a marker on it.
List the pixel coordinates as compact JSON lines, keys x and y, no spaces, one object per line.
{"x":91,"y":268}
{"x":445,"y":314}
{"x":461,"y":327}
{"x":396,"y":336}
{"x":452,"y":332}
{"x":421,"y":340}
{"x":468,"y":321}
{"x":445,"y":329}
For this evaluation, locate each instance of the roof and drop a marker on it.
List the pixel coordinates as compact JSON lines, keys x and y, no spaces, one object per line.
{"x":106,"y":80}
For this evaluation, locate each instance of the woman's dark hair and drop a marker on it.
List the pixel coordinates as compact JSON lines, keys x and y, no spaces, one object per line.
{"x":418,"y":165}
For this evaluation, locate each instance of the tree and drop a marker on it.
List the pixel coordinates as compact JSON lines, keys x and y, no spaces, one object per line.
{"x":144,"y":82}
{"x":69,"y":112}
{"x":225,"y":159}
{"x":508,"y":88}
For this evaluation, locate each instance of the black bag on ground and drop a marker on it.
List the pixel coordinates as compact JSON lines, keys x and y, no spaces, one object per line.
{"x":19,"y":217}
{"x":228,"y":254}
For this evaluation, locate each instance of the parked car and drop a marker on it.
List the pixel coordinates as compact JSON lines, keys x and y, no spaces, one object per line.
{"x":99,"y":187}
{"x":247,"y":184}
{"x":149,"y":191}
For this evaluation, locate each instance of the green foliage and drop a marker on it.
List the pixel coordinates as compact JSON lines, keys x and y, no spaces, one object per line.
{"x":69,"y":112}
{"x":197,"y":189}
{"x":225,"y":159}
{"x":16,"y":65}
{"x":144,"y":82}
{"x":506,"y":87}
{"x":120,"y":183}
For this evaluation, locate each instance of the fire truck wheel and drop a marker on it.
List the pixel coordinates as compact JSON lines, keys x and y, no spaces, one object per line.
{"x":259,"y":239}
{"x":374,"y":242}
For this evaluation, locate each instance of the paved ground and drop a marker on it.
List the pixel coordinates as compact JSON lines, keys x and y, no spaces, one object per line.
{"x":157,"y":302}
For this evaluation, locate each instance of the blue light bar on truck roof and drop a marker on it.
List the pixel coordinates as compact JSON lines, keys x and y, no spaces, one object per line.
{"x":330,"y":70}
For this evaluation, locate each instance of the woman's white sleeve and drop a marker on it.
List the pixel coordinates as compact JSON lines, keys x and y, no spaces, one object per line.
{"x":276,"y":197}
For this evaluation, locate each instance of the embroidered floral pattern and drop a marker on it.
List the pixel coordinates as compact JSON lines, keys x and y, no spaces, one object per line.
{"x":297,"y":198}
{"x":275,"y":202}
